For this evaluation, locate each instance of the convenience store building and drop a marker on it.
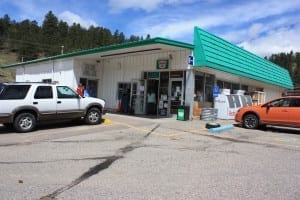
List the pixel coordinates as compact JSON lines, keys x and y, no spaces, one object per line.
{"x":175,"y":71}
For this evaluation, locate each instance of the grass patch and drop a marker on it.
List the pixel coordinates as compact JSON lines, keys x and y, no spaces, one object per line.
{"x":7,"y":58}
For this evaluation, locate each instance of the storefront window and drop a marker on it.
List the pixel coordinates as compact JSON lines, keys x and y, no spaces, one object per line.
{"x":234,"y":87}
{"x":91,"y":85}
{"x":122,"y":89}
{"x":245,"y":88}
{"x":209,"y":84}
{"x":227,"y":85}
{"x":199,"y":87}
{"x":230,"y":85}
{"x":220,"y":84}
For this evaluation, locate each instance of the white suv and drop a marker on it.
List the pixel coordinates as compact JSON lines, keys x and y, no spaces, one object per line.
{"x":23,"y":105}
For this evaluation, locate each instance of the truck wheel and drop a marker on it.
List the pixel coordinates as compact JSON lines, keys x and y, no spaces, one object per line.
{"x":93,"y":116}
{"x":24,"y":122}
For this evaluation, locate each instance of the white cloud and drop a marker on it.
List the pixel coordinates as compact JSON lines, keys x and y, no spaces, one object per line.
{"x":147,"y":5}
{"x":250,"y":24}
{"x":174,"y":29}
{"x":255,"y":30}
{"x":71,"y":18}
{"x":275,"y":41}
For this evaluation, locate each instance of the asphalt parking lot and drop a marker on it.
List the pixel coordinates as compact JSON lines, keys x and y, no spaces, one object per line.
{"x":130,"y":157}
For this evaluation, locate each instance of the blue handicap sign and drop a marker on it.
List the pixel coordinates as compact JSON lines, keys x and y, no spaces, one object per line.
{"x":191,"y":60}
{"x":216,"y":91}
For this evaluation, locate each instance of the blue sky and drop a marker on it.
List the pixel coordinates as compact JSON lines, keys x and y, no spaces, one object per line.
{"x":260,"y":26}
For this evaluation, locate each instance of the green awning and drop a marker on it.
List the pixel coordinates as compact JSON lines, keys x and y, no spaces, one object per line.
{"x":219,"y":54}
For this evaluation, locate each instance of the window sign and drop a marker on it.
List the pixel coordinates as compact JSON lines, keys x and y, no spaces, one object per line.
{"x":162,"y":64}
{"x":89,"y":70}
{"x":153,"y":75}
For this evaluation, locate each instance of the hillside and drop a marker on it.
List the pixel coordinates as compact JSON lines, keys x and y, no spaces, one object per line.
{"x":7,"y":58}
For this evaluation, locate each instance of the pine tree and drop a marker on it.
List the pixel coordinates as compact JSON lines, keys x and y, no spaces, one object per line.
{"x":63,"y":31}
{"x":50,"y":34}
{"x":4,"y":27}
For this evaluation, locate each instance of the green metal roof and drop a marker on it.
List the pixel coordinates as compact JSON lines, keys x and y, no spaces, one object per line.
{"x":156,"y":40}
{"x":216,"y":53}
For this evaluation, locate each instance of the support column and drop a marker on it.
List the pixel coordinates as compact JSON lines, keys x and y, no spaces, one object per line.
{"x":189,"y":88}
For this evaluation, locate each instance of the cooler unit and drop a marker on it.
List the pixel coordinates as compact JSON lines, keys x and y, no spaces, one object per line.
{"x":246,"y":100}
{"x":228,"y":105}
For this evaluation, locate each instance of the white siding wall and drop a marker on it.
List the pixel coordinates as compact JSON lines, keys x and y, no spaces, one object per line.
{"x":272,"y":93}
{"x":58,"y":70}
{"x":126,"y":68}
{"x":64,"y":73}
{"x":35,"y":72}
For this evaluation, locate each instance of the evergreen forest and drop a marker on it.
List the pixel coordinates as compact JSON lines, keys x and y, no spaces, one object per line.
{"x":30,"y":41}
{"x":290,"y":61}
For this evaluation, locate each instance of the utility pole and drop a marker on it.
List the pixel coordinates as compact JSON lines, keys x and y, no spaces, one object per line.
{"x":62,"y":49}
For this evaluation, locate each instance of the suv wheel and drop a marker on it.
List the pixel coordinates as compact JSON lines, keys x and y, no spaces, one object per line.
{"x":250,"y":121}
{"x":25,"y":122}
{"x":93,"y":116}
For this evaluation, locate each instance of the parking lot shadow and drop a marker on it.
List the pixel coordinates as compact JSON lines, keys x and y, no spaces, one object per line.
{"x":276,"y":129}
{"x":46,"y":125}
{"x":279,"y":129}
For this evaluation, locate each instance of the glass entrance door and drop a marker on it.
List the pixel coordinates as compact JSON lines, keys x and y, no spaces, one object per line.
{"x":151,"y":100}
{"x":176,"y":95}
{"x":137,"y":96}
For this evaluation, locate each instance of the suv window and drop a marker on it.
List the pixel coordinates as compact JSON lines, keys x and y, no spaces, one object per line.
{"x":1,"y":87}
{"x":280,"y":103}
{"x":43,"y":92}
{"x":295,"y":102}
{"x":14,"y":92}
{"x":64,"y":92}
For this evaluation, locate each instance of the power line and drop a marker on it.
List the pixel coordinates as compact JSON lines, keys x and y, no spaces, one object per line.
{"x":28,"y":42}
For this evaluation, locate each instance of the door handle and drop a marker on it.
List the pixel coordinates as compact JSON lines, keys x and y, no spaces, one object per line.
{"x":35,"y":102}
{"x":58,"y":102}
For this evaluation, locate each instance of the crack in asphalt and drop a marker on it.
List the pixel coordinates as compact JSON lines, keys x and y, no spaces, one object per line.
{"x":99,"y":167}
{"x":152,"y":130}
{"x":58,"y":141}
{"x":16,"y":144}
{"x":53,"y":161}
{"x":92,"y":171}
{"x":76,"y":141}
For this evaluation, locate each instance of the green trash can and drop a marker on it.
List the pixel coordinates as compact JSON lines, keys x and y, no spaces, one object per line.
{"x":183,"y":113}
